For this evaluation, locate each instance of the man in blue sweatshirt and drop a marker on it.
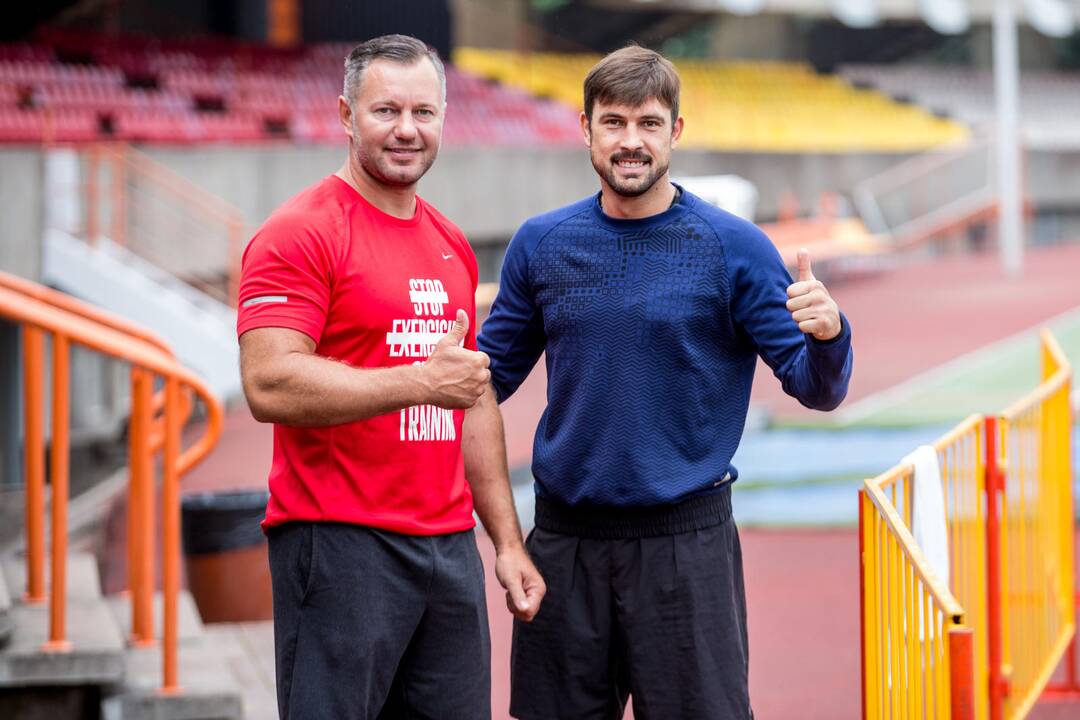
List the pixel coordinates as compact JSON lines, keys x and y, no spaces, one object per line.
{"x":652,"y":307}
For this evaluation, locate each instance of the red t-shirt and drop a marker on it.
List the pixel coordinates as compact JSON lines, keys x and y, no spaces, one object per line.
{"x":372,"y":291}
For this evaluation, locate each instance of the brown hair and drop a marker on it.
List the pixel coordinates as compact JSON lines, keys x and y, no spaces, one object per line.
{"x":402,"y":49}
{"x":631,"y":76}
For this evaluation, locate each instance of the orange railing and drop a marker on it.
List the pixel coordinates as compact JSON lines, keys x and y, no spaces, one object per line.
{"x":1007,"y":484}
{"x":154,"y":426}
{"x":140,"y":556}
{"x":162,"y":217}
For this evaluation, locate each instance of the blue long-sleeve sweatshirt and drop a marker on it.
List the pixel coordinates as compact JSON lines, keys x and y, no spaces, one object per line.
{"x":651,"y":329}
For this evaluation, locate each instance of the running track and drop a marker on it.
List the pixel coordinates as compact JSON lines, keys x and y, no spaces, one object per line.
{"x":802,"y":587}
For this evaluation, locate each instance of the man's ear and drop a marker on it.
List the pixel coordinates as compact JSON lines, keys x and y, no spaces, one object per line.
{"x":586,"y":131}
{"x":345,"y":115}
{"x":676,"y":132}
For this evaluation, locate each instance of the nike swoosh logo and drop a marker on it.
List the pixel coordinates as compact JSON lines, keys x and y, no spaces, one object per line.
{"x":446,"y":257}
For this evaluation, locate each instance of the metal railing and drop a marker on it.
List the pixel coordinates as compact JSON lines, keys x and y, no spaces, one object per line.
{"x":1034,"y":470}
{"x":155,"y":424}
{"x":162,"y":217}
{"x":935,"y":193}
{"x":921,"y":654}
{"x":1007,"y":483}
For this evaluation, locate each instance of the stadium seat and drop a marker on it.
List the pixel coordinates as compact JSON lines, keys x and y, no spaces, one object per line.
{"x":745,"y":106}
{"x":224,"y":91}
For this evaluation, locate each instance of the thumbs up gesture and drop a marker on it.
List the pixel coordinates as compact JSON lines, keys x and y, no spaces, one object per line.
{"x":454,"y":377}
{"x":810,"y":304}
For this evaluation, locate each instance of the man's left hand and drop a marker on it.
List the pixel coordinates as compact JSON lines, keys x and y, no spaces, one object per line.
{"x":810,"y":304}
{"x":525,"y":587}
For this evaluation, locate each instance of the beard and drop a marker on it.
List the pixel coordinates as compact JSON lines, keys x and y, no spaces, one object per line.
{"x":380,"y":167}
{"x":633,"y":187}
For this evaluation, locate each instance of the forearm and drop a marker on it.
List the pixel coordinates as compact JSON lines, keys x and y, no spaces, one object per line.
{"x":484,"y":447}
{"x":305,"y":389}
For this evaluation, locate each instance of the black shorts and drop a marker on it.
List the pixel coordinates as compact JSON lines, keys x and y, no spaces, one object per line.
{"x":372,"y":624}
{"x":635,"y":612}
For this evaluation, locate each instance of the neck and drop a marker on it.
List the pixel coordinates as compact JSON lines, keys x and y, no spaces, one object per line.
{"x":398,"y":201}
{"x":653,"y":201}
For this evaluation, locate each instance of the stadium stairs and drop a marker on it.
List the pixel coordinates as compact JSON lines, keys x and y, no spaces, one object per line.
{"x":102,"y":675}
{"x":82,"y":663}
{"x":202,"y":329}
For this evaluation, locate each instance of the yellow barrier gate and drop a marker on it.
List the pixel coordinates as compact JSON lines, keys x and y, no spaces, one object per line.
{"x":909,"y":670}
{"x":1037,"y":584}
{"x":986,"y":646}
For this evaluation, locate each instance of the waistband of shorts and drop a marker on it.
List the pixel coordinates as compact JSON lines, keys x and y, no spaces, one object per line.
{"x":613,"y":523}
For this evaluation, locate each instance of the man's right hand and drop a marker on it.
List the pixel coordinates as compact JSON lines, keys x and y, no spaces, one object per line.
{"x":455,"y":377}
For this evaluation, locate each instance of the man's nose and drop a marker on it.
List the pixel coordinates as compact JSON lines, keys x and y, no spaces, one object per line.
{"x":405,"y":128}
{"x":631,"y":139}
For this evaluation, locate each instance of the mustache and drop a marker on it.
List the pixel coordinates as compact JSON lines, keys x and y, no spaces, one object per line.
{"x":630,"y":157}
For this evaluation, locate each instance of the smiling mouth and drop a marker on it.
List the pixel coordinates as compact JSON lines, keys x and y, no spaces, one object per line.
{"x":631,"y":164}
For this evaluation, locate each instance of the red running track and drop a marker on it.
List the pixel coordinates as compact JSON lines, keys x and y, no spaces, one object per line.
{"x":802,"y":587}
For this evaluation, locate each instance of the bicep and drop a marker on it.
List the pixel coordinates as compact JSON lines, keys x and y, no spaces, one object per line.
{"x":261,"y":348}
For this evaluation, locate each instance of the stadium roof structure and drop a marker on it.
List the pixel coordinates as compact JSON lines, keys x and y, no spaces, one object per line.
{"x":1056,"y":18}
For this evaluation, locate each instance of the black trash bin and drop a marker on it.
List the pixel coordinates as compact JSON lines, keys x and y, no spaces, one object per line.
{"x":225,"y":550}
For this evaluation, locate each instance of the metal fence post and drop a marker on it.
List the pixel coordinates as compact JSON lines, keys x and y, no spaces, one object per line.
{"x":961,"y":674}
{"x":995,"y":483}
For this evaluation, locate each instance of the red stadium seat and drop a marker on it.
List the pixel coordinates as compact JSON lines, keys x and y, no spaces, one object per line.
{"x":215,"y":90}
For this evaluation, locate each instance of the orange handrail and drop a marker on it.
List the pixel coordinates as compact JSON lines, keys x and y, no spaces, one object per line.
{"x":124,"y":163}
{"x":77,"y":307}
{"x":40,"y":312}
{"x":137,"y":566}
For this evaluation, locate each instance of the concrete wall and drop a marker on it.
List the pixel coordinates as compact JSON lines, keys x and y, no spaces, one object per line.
{"x":490,"y":191}
{"x":21,"y":207}
{"x":487,"y":191}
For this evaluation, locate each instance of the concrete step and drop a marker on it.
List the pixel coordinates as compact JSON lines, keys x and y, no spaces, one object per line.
{"x":190,"y":627}
{"x":248,"y":650}
{"x":208,"y":690}
{"x":83,"y":580}
{"x":95,"y":656}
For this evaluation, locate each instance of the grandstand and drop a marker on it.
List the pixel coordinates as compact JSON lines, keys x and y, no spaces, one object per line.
{"x":1049,"y":101}
{"x":83,"y":87}
{"x":746,"y":106}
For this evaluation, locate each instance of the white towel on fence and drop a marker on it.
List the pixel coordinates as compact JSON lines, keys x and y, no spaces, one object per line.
{"x":928,"y":510}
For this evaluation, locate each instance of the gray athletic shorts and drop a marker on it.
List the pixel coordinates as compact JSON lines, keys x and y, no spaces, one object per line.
{"x":647,"y":604}
{"x":372,"y":624}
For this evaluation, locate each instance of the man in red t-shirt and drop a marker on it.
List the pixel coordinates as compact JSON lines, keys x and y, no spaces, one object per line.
{"x":357,"y":340}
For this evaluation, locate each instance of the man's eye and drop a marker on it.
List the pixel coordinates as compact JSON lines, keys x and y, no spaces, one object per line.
{"x":426,"y":112}
{"x":384,"y":111}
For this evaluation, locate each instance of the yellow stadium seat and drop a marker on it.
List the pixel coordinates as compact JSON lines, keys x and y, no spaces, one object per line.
{"x":745,"y":105}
